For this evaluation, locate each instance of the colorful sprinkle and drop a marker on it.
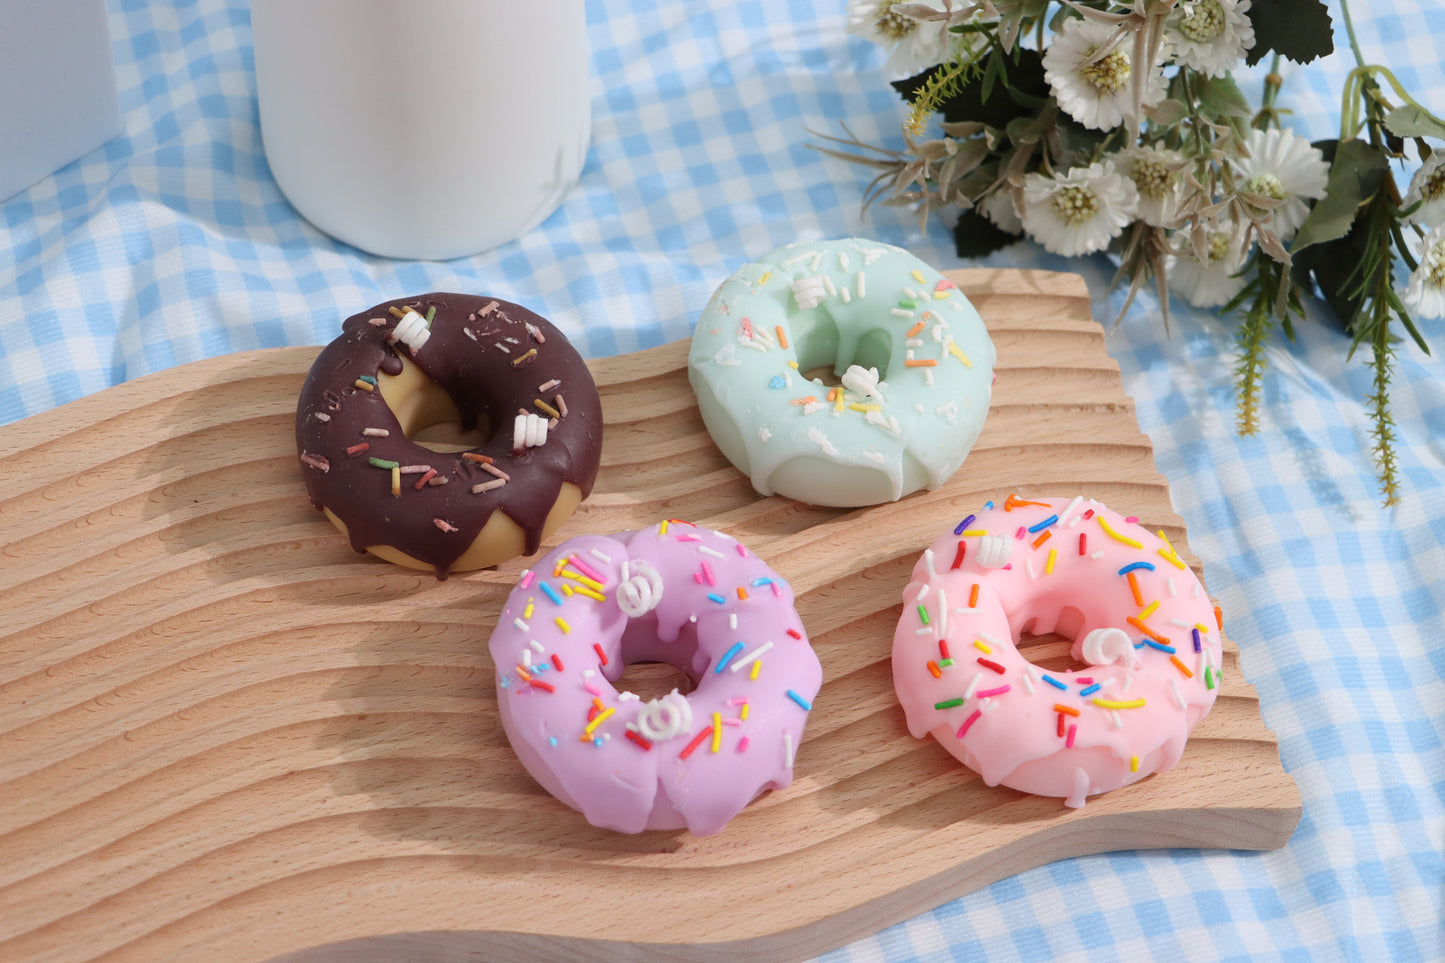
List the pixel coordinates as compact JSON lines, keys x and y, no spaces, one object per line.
{"x":949,"y":703}
{"x":728,"y":657}
{"x":1117,"y":704}
{"x":799,"y":700}
{"x":550,"y":592}
{"x":1132,"y":543}
{"x":968,"y":724}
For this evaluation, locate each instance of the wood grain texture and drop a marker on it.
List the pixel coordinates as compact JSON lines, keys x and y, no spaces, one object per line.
{"x":224,"y":735}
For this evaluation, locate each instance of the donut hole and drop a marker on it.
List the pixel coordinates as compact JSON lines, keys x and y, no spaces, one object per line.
{"x":651,"y":666}
{"x":427,"y":414}
{"x":1052,"y":649}
{"x":823,"y":358}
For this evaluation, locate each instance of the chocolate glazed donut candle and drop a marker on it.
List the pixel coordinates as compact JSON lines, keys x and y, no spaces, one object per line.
{"x":483,"y":363}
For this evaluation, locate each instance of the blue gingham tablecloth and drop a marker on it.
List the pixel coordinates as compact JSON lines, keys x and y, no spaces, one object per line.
{"x":172,"y":243}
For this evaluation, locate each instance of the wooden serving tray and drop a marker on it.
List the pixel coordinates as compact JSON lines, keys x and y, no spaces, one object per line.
{"x":225,"y":735}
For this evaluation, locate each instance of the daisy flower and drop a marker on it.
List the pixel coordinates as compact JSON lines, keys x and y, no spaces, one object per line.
{"x":1424,"y":293}
{"x":1284,"y":166}
{"x":914,"y":46}
{"x":1211,"y":36}
{"x":1079,"y":212}
{"x":1428,"y":185}
{"x":999,"y":208}
{"x":1210,"y":283}
{"x":1156,"y":172}
{"x":1096,"y":91}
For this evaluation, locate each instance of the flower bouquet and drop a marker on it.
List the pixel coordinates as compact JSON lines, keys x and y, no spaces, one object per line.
{"x":1090,"y":125}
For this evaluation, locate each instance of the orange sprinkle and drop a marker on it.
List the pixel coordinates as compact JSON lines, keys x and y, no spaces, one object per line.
{"x":782,"y":338}
{"x":1134,"y":587}
{"x":1181,"y":667}
{"x":1066,"y":710}
{"x":915,"y":329}
{"x":1147,"y":631}
{"x":742,"y":592}
{"x":973,"y":596}
{"x":935,"y":670}
{"x":477,"y":457}
{"x":832,"y":394}
{"x":803,"y":401}
{"x":921,"y":363}
{"x":1013,"y":501}
{"x":1219,"y":618}
{"x":1044,"y":538}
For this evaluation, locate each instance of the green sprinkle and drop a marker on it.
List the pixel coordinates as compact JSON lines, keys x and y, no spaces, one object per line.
{"x":431,"y":312}
{"x":383,"y":463}
{"x":923,"y":614}
{"x":906,"y":303}
{"x":945,"y":663}
{"x":949,"y":703}
{"x":1209,"y":677}
{"x":367,"y":378}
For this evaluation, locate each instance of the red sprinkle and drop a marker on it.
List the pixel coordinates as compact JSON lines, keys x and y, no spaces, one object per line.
{"x":943,"y":649}
{"x":987,"y":664}
{"x":639,"y":740}
{"x":958,"y":557}
{"x":557,"y":662}
{"x":795,"y":633}
{"x":1061,"y":725}
{"x":1083,"y":541}
{"x":421,"y":482}
{"x":601,"y":656}
{"x":355,"y":450}
{"x":539,"y":684}
{"x":696,"y":741}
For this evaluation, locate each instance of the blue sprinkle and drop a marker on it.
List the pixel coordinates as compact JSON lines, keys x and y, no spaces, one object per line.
{"x":988,"y":506}
{"x":1162,"y":648}
{"x":964,"y":524}
{"x":716,"y":598}
{"x":552,"y":740}
{"x":1085,"y":693}
{"x":799,"y":699}
{"x":541,"y":667}
{"x":1132,"y":566}
{"x":597,"y":741}
{"x":550,"y":592}
{"x":777,"y":382}
{"x":506,"y":682}
{"x":728,"y":657}
{"x":1055,"y":683}
{"x":1043,"y":524}
{"x":763,"y":580}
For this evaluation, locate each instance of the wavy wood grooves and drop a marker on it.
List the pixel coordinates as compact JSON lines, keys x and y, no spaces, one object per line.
{"x":227,"y":736}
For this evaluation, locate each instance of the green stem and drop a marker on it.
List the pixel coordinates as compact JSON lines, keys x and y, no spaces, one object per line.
{"x":1350,"y":30}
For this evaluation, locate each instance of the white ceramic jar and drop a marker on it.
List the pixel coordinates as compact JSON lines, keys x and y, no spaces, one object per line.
{"x":423,"y":129}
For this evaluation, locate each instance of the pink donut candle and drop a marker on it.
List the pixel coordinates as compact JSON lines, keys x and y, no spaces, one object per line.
{"x":676,"y":593}
{"x":1139,"y":619}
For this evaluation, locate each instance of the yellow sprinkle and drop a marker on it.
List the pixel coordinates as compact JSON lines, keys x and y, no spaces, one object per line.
{"x":583,"y":590}
{"x":1049,"y":565}
{"x":716,"y":731}
{"x":957,"y":352}
{"x":838,"y":405}
{"x":1203,"y":629}
{"x":1116,"y":536}
{"x":596,"y":721}
{"x":363,"y":385}
{"x":918,"y":275}
{"x":662,"y":529}
{"x":562,"y":624}
{"x":972,"y":531}
{"x":1133,"y":763}
{"x":982,"y":646}
{"x":764,"y":279}
{"x":939,"y":295}
{"x":793,"y":365}
{"x":593,"y":584}
{"x":1149,"y":610}
{"x":1116,"y":704}
{"x":858,"y":407}
{"x":743,"y":713}
{"x":546,"y":408}
{"x":527,"y":612}
{"x":396,"y":480}
{"x":1167,"y":552}
{"x":757,"y":667}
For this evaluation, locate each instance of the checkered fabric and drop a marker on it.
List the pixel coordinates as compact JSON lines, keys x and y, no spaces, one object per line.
{"x":173,"y":243}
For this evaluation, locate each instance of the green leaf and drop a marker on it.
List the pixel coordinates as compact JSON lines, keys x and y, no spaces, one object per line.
{"x":1357,"y":170}
{"x":1220,"y":98}
{"x":1411,"y":121}
{"x":976,"y":236}
{"x":1018,"y":94}
{"x":1299,"y":30}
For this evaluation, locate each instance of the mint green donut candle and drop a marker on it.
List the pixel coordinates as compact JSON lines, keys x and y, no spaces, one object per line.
{"x":842,"y":373}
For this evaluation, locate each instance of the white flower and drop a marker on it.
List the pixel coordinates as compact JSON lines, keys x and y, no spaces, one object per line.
{"x":1282,"y":165}
{"x":1428,"y":185}
{"x":1212,"y":283}
{"x":1078,"y":212}
{"x":999,"y":208}
{"x":1156,"y":172}
{"x":914,"y":46}
{"x":1424,"y":294}
{"x":1098,"y":92}
{"x":1211,"y":36}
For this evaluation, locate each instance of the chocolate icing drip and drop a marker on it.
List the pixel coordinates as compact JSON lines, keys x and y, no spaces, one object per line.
{"x":477,"y":353}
